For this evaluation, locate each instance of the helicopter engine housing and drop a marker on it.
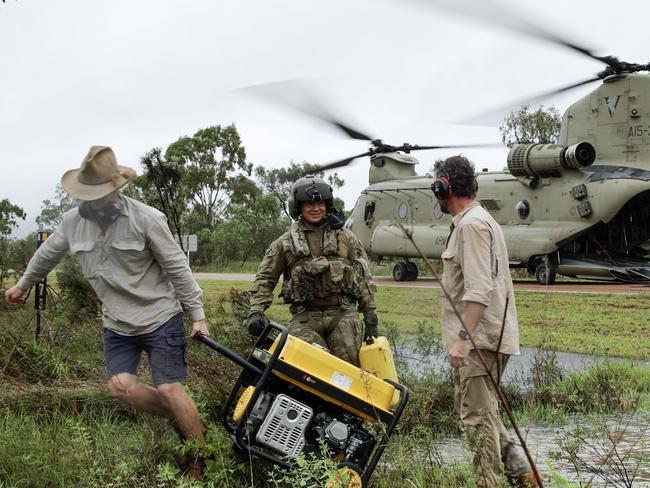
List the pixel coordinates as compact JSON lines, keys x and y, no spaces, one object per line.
{"x":543,"y":160}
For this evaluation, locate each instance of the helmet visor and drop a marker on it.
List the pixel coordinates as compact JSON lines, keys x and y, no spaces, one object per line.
{"x":313,"y":192}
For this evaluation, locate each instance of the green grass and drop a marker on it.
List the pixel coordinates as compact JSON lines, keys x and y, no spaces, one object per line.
{"x":591,"y":323}
{"x":601,"y":324}
{"x":98,"y":447}
{"x":249,"y":267}
{"x":58,"y":427}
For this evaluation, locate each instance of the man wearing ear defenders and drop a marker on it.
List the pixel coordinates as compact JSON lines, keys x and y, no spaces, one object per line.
{"x":477,"y":279}
{"x":326,"y":277}
{"x":142,"y":277}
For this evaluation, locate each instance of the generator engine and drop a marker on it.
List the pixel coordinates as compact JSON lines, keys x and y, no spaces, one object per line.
{"x":290,"y":427}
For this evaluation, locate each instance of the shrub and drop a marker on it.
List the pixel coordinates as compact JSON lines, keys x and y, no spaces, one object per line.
{"x":79,"y":301}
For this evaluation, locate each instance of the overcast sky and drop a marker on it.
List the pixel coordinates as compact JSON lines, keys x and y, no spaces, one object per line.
{"x":139,"y":74}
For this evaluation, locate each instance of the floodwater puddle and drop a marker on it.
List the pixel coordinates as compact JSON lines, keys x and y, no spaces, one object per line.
{"x":596,"y":451}
{"x":519,"y":367}
{"x":607,"y":450}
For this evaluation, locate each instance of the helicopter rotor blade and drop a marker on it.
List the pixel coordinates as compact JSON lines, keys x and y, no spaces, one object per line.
{"x":452,"y":146}
{"x":353,"y":133}
{"x":405,"y":147}
{"x":297,"y":95}
{"x":496,"y":14}
{"x":340,"y":163}
{"x":496,"y":115}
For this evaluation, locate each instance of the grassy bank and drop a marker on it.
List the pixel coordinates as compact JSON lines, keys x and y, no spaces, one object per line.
{"x":58,"y":427}
{"x":591,"y":323}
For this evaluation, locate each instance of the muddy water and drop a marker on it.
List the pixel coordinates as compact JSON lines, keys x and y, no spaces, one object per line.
{"x":624,"y":462}
{"x":519,"y":367}
{"x":612,"y":450}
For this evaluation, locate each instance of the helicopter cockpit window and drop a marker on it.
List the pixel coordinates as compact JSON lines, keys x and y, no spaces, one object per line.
{"x":437,"y":211}
{"x":523,"y":209}
{"x":403,"y":210}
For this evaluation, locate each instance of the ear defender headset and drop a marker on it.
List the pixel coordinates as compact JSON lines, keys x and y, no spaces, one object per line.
{"x":442,"y":187}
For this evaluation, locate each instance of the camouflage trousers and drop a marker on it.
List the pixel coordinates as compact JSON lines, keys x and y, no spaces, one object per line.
{"x":477,"y":403}
{"x":338,"y":330}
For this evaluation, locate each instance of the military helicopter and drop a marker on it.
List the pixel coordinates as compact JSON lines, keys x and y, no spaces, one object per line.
{"x":579,"y":208}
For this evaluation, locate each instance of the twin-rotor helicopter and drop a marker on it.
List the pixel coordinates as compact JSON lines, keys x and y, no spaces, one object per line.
{"x":578,"y":208}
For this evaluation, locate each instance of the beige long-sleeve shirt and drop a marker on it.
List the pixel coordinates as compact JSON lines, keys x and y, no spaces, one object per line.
{"x":476,"y":270}
{"x":136,"y":268}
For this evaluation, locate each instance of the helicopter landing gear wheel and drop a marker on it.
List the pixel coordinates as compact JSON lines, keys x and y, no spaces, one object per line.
{"x":348,"y":475}
{"x":545,"y":275}
{"x":411,"y":271}
{"x":400,"y":272}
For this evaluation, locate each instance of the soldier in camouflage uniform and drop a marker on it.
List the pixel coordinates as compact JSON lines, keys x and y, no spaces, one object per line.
{"x":326,"y":277}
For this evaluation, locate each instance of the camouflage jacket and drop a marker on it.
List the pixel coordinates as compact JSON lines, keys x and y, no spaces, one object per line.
{"x":317,"y":264}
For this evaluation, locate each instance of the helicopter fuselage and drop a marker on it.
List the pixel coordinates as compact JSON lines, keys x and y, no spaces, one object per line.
{"x":586,"y":220}
{"x":587,"y":215}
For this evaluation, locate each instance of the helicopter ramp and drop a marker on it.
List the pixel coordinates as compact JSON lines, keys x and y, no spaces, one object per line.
{"x":628,"y":270}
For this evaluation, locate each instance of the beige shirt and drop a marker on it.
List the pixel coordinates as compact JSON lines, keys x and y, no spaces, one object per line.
{"x":476,"y":270}
{"x":137,"y":269}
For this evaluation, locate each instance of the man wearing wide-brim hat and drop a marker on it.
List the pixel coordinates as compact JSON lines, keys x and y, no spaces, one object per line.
{"x":142,"y":277}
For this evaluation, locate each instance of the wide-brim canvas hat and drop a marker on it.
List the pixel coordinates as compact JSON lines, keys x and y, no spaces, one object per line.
{"x":98,"y":176}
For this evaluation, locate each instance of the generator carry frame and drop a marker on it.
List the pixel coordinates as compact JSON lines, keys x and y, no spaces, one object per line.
{"x":292,"y":396}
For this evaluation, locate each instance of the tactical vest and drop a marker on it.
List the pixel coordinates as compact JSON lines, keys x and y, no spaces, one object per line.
{"x":310,"y":278}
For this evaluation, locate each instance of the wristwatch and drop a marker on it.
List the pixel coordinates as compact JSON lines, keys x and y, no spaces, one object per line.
{"x":463,"y":334}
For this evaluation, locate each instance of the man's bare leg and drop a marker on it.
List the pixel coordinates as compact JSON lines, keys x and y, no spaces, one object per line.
{"x":183,"y":410}
{"x":186,"y":419}
{"x":167,"y":400}
{"x":130,"y":390}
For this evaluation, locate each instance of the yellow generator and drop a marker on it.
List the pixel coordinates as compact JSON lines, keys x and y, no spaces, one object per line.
{"x":291,"y":397}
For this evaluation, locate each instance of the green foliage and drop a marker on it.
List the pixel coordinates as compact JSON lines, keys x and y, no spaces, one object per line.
{"x":160,"y":186}
{"x":531,"y":126}
{"x":67,"y":431}
{"x":310,"y":471}
{"x":196,"y":179}
{"x":560,"y":481}
{"x":10,"y":253}
{"x":79,"y":299}
{"x":37,"y":361}
{"x":605,"y":387}
{"x":211,"y":160}
{"x":9,"y":214}
{"x":222,"y":466}
{"x":52,"y":210}
{"x":278,"y":181}
{"x":202,"y":184}
{"x":245,"y":233}
{"x":417,"y":461}
{"x":92,"y":449}
{"x":431,"y":404}
{"x":15,"y":255}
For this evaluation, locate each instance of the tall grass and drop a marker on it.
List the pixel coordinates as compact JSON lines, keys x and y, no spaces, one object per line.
{"x":59,"y":428}
{"x":97,"y":447}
